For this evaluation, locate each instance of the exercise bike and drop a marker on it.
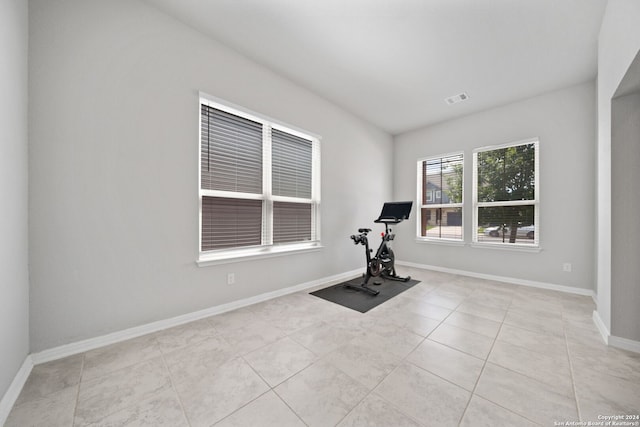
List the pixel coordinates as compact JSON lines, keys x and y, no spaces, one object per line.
{"x":382,"y":263}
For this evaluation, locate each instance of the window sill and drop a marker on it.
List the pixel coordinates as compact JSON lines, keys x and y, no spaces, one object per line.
{"x":239,"y":255}
{"x":507,"y":247}
{"x":445,"y":242}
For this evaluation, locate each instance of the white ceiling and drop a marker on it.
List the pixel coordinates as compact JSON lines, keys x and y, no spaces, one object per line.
{"x":393,"y":62}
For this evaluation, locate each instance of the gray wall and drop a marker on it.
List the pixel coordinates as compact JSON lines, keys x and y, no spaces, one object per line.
{"x":113,"y":175}
{"x":14,"y":275}
{"x":625,"y":230}
{"x":618,"y":45}
{"x":564,"y":122}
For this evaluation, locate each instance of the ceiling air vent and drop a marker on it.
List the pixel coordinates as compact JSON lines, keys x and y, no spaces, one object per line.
{"x":457,"y":98}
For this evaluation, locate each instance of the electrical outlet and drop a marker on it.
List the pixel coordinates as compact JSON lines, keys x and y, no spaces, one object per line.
{"x":231,"y":278}
{"x":566,"y":267}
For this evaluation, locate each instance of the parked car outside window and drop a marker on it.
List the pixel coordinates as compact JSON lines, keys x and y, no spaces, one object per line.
{"x":527,"y":231}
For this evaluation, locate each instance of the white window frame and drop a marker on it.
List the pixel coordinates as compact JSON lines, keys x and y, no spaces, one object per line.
{"x":535,"y":246}
{"x":429,"y":195}
{"x":267,"y":248}
{"x":419,"y":236}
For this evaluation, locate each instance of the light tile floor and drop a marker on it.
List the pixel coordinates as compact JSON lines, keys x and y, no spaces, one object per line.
{"x":451,"y":351}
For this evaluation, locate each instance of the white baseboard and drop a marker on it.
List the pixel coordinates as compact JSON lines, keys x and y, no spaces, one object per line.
{"x":10,"y":397}
{"x":602,"y":328}
{"x":612,"y":340}
{"x":513,"y":280}
{"x":115,"y":337}
{"x":624,"y":343}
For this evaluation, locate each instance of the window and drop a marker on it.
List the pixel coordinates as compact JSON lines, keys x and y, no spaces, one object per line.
{"x":429,"y":196}
{"x":440,"y":184}
{"x":259,"y":184}
{"x":505,"y":187}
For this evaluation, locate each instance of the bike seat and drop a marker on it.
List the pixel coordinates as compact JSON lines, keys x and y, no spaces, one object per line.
{"x":364,"y":230}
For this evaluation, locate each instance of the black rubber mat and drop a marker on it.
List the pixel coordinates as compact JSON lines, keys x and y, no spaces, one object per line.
{"x":360,"y":300}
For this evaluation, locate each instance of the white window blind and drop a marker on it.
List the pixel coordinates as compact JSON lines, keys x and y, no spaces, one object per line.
{"x":230,"y":223}
{"x":230,"y":152}
{"x":292,"y":222}
{"x":291,"y":165}
{"x":440,"y":184}
{"x":506,"y":194}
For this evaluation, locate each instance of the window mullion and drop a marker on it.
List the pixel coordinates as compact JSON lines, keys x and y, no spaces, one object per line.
{"x":444,"y":206}
{"x":231,"y":194}
{"x":291,"y":199}
{"x":506,"y":203}
{"x":315,"y":190}
{"x":267,"y":232}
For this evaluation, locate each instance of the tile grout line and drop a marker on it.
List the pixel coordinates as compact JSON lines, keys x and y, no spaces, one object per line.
{"x":236,"y":356}
{"x":484,"y":364}
{"x":472,"y":393}
{"x":160,"y":356}
{"x":172,"y":383}
{"x":272,"y":388}
{"x":486,"y":360}
{"x":573,"y":381}
{"x":240,"y":356}
{"x":75,"y":407}
{"x":317,"y":359}
{"x":402,"y":360}
{"x":371,"y":392}
{"x":287,"y":405}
